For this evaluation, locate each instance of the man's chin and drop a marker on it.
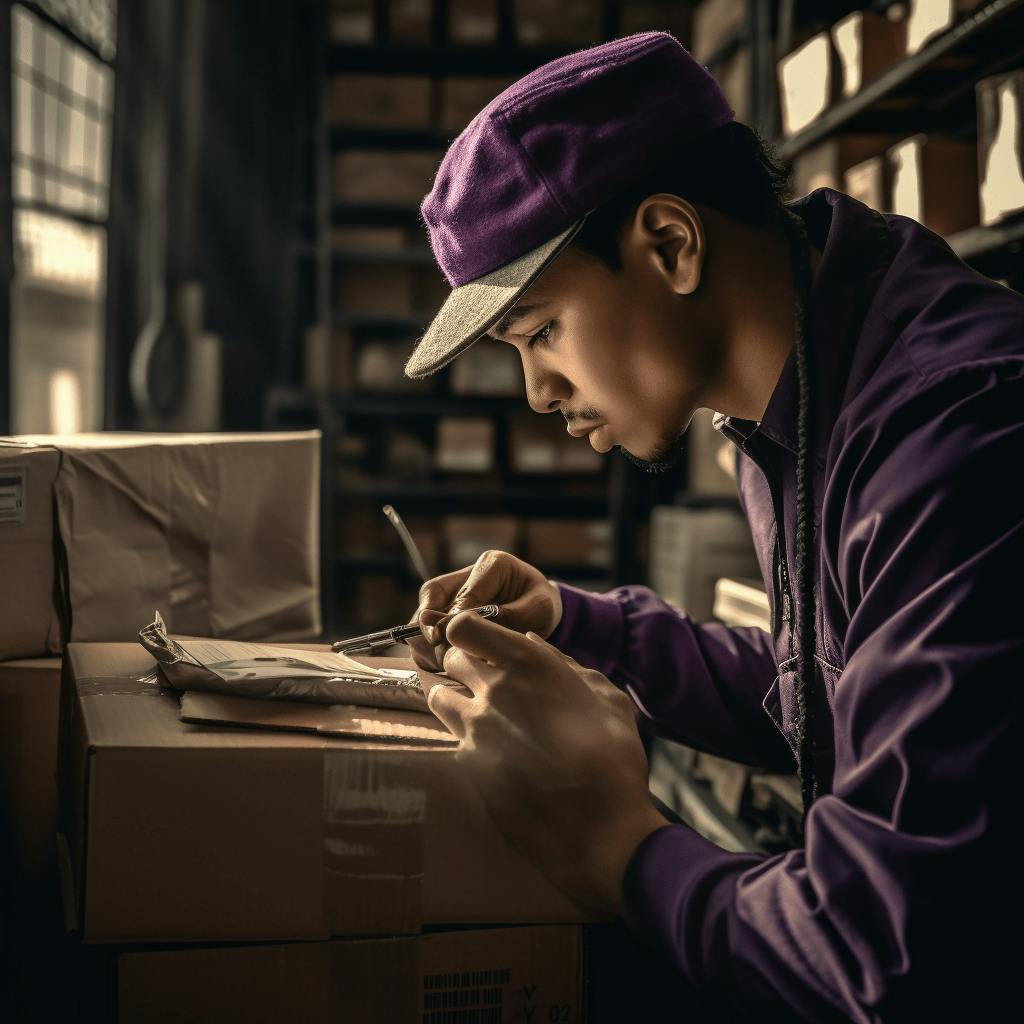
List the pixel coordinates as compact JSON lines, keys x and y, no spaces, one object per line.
{"x":659,"y":461}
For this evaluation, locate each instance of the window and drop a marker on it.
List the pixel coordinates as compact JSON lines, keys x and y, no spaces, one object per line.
{"x":62,"y":96}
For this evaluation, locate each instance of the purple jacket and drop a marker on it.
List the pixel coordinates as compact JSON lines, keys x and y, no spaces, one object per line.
{"x":890,"y":908}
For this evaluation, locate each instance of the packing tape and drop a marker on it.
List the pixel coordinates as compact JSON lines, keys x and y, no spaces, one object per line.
{"x":375,"y":812}
{"x":147,"y":685}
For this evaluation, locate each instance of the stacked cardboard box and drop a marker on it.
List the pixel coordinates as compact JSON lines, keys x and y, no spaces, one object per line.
{"x":96,"y":532}
{"x":335,"y":837}
{"x":468,"y":537}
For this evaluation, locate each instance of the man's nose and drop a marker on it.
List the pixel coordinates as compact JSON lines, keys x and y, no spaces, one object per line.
{"x":545,"y":392}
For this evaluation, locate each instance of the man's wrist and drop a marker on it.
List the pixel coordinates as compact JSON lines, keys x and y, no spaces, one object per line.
{"x":614,"y":852}
{"x":558,"y":608}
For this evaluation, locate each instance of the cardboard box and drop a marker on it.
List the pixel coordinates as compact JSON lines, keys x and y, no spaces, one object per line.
{"x":547,"y":22}
{"x":409,"y":21}
{"x":809,"y":82}
{"x":540,"y":444}
{"x":714,"y":23}
{"x":473,"y":21}
{"x":463,"y":98}
{"x":568,"y":542}
{"x":466,"y":538}
{"x":352,"y":822}
{"x":1000,"y":154}
{"x":660,"y":15}
{"x":102,"y":529}
{"x":371,"y":239}
{"x":935,"y":181}
{"x":380,"y":101}
{"x":691,"y":549}
{"x":825,"y":164}
{"x":384,"y":290}
{"x":486,"y":368}
{"x":492,"y":974}
{"x":867,"y":44}
{"x":29,"y":716}
{"x":351,"y":21}
{"x":868,"y":182}
{"x":465,"y":444}
{"x":927,"y":19}
{"x":384,"y":176}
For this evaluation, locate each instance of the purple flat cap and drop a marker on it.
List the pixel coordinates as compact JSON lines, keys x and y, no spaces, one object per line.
{"x":517,"y":184}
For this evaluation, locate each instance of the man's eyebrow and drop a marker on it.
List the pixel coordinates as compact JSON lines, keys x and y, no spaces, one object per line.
{"x":516,"y":313}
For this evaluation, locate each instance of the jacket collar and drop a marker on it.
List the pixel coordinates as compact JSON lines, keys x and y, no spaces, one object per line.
{"x":856,"y":253}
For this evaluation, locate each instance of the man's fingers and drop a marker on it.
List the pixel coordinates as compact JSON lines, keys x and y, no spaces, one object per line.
{"x":487,"y":639}
{"x":450,"y":703}
{"x":436,"y":596}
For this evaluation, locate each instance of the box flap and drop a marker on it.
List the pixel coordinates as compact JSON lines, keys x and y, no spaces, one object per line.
{"x":394,"y":724}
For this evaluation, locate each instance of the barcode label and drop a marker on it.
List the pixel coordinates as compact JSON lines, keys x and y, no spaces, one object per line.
{"x":465,"y":997}
{"x":12,"y":495}
{"x":467,"y":979}
{"x":483,"y":1015}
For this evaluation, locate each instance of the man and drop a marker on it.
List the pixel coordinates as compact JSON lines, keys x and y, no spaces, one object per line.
{"x":874,"y":387}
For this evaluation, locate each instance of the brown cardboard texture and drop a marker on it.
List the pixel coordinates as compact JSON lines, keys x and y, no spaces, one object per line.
{"x":28,"y":621}
{"x":29,"y":702}
{"x":136,"y":522}
{"x":473,"y":975}
{"x":181,"y":832}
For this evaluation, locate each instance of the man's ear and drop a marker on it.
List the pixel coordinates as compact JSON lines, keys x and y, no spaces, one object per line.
{"x":669,"y":232}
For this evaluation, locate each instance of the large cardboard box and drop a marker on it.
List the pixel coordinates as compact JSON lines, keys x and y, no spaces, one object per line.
{"x":220,"y":532}
{"x":500,"y":974}
{"x":310,"y":822}
{"x":383,"y":176}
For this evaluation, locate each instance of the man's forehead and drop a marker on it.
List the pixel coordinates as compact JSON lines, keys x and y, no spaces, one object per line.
{"x":516,"y":313}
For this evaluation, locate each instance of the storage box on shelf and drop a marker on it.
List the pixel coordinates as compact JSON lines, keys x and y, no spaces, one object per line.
{"x":468,"y":537}
{"x":935,"y":181}
{"x":1000,"y":101}
{"x":409,"y":22}
{"x":691,"y":548}
{"x":867,"y":43}
{"x":809,"y":83}
{"x":473,"y":22}
{"x":568,"y":22}
{"x":380,"y":101}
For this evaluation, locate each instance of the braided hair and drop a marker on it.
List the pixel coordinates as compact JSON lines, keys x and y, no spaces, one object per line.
{"x":805,"y":600}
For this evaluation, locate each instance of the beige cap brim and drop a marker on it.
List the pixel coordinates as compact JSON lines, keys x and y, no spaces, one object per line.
{"x":472,"y":309}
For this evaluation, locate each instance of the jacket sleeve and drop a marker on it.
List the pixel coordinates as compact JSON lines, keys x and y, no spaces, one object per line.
{"x":890,"y":910}
{"x":700,"y":683}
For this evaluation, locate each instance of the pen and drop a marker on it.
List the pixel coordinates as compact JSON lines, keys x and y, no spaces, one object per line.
{"x":396,"y":634}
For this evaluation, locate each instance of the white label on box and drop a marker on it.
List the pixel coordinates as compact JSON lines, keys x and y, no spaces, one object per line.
{"x":12,"y":495}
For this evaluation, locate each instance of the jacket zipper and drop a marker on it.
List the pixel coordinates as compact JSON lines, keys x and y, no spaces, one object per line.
{"x":781,"y":597}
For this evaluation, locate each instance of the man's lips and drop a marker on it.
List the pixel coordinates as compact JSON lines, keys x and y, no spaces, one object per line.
{"x":579,"y":431}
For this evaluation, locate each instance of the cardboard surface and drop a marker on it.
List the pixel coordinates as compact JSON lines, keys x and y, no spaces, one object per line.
{"x":29,"y":702}
{"x":506,"y":974}
{"x":181,"y":832}
{"x":116,"y":525}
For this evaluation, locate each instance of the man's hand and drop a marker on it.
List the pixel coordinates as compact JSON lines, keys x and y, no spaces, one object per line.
{"x":554,"y":750}
{"x":528,"y":601}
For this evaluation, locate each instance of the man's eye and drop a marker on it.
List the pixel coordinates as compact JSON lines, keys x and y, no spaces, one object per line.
{"x":543,"y":334}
